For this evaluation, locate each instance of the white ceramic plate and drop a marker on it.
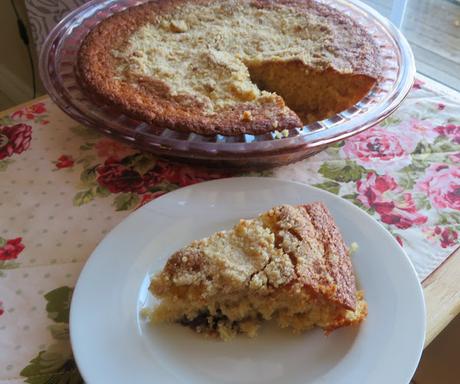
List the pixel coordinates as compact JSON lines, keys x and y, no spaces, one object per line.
{"x":112,"y":344}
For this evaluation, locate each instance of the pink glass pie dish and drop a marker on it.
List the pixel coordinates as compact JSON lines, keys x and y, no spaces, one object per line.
{"x":59,"y":75}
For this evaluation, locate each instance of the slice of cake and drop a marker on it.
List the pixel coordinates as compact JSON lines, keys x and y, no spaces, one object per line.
{"x":290,"y":264}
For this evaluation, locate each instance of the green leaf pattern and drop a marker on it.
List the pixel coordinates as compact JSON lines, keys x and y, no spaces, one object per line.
{"x":4,"y":164}
{"x":55,"y":364}
{"x":342,"y":173}
{"x":330,"y":186}
{"x":126,"y":201}
{"x":58,"y":304}
{"x":141,"y":162}
{"x":83,"y":197}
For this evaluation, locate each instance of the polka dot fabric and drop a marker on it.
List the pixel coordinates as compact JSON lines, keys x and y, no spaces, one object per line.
{"x":63,"y":187}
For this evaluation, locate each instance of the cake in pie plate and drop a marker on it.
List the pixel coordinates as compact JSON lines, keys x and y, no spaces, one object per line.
{"x":289,"y":265}
{"x":229,"y":67}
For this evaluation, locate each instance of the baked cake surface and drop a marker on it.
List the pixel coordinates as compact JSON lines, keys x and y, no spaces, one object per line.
{"x":231,"y":66}
{"x":289,"y":264}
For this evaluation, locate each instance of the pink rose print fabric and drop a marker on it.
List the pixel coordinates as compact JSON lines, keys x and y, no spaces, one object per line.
{"x":420,"y":130}
{"x":64,"y":161}
{"x":14,"y":139}
{"x":380,"y":149}
{"x":441,"y":183}
{"x":16,"y":132}
{"x":10,"y":249}
{"x":64,"y":187}
{"x":393,"y":205}
{"x":35,"y":112}
{"x":450,"y":131}
{"x":136,"y":178}
{"x":445,"y":236}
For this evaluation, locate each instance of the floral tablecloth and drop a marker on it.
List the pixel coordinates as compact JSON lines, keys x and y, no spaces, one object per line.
{"x":63,"y":187}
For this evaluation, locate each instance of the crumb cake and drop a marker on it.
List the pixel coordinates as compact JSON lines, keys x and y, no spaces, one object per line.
{"x":229,"y":67}
{"x":290,"y":264}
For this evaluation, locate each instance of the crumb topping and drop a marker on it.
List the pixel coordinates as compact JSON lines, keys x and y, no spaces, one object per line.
{"x":281,"y":265}
{"x":207,"y":51}
{"x":199,"y":66}
{"x":247,"y":116}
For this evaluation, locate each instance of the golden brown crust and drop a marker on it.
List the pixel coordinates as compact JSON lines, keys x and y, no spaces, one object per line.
{"x":151,"y":101}
{"x":337,"y":256}
{"x":290,"y":264}
{"x":310,"y":236}
{"x":307,"y":233}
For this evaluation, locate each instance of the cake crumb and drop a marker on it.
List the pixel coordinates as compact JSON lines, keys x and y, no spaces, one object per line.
{"x":178,"y":26}
{"x":280,"y":135}
{"x":145,"y":313}
{"x":353,"y":248}
{"x":277,"y":134}
{"x":247,"y":116}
